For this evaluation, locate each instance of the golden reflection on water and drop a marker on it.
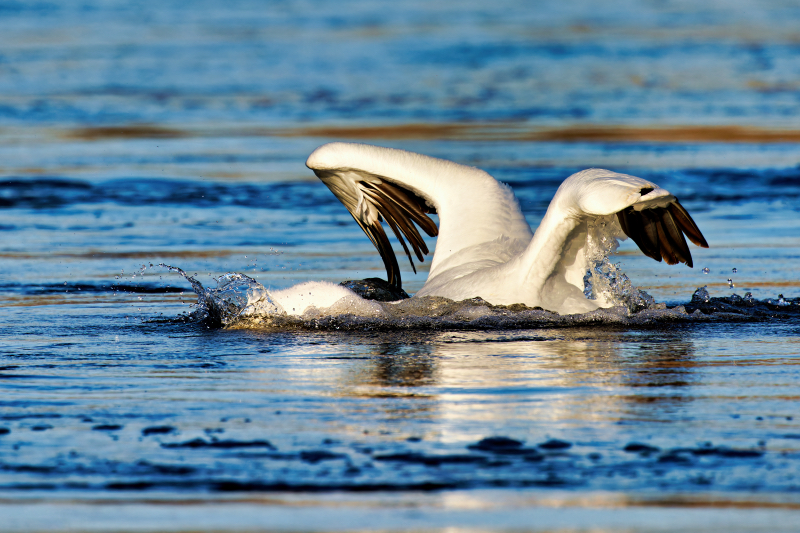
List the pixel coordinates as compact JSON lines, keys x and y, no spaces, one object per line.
{"x":543,"y":376}
{"x":131,"y":131}
{"x":456,"y":500}
{"x":571,"y":133}
{"x":493,"y":131}
{"x":137,"y":254}
{"x":74,"y":297}
{"x":392,"y":368}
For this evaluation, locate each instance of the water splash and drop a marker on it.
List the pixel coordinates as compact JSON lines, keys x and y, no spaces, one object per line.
{"x":238,"y":296}
{"x":239,"y":301}
{"x":701,"y":295}
{"x":605,"y":281}
{"x":202,"y":301}
{"x":235,"y":297}
{"x":736,"y":307}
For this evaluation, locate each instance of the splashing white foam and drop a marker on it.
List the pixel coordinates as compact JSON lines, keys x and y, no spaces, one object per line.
{"x":314,"y":299}
{"x":605,"y":281}
{"x":241,"y":301}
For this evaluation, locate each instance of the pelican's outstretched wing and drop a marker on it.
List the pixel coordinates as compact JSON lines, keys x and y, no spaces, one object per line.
{"x":377,"y":200}
{"x":401,"y":188}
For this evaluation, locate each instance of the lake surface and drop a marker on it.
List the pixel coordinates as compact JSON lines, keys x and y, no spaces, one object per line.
{"x":135,"y":134}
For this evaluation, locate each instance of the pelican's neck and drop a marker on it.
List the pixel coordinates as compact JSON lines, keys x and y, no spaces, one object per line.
{"x":547,"y":246}
{"x":551,"y":268}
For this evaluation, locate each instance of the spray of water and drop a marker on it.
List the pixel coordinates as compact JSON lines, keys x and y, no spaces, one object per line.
{"x":605,"y":281}
{"x":239,"y":301}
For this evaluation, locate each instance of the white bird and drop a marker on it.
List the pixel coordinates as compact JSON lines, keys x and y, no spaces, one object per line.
{"x":485,"y":247}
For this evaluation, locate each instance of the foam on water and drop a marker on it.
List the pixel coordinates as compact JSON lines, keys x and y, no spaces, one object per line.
{"x":239,"y":301}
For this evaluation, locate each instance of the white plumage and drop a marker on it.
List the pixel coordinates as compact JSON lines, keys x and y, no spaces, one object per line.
{"x":485,"y":247}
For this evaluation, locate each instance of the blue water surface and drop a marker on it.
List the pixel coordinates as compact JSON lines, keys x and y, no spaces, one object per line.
{"x":134,"y":134}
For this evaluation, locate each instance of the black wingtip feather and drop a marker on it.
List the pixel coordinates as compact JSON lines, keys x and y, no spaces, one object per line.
{"x":675,"y":238}
{"x":634,"y":225}
{"x":659,"y":232}
{"x":400,"y":208}
{"x":687,"y":224}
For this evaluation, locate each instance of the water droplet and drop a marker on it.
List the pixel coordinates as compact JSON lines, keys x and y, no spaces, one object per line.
{"x":735,"y":271}
{"x":701,"y":295}
{"x":706,"y":270}
{"x":730,"y":283}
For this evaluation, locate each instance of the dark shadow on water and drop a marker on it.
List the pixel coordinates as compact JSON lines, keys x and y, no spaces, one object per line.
{"x":400,"y":365}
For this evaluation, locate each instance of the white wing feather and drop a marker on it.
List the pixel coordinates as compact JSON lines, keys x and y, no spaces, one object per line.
{"x":473,"y":207}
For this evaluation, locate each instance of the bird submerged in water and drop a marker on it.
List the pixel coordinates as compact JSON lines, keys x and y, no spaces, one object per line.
{"x":485,"y":247}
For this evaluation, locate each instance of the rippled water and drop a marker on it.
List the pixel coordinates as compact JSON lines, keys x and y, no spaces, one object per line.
{"x":137,"y":134}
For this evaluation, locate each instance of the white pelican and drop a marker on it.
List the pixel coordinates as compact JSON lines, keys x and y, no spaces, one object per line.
{"x":485,"y":247}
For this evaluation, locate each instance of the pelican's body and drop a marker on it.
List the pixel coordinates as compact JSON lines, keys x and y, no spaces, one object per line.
{"x":485,"y":247}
